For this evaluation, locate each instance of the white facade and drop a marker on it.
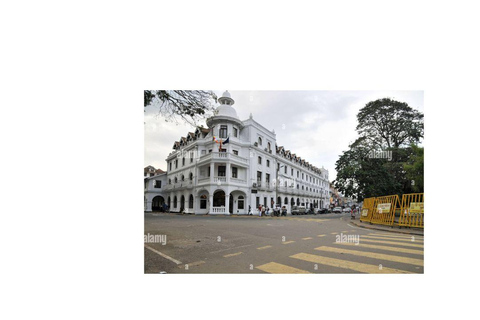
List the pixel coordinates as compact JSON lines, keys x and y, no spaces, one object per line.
{"x":249,"y":170}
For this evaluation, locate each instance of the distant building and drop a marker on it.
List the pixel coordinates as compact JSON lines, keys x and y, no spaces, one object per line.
{"x":233,"y":165}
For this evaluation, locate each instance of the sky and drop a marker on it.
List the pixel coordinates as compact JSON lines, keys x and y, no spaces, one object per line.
{"x":316,"y":125}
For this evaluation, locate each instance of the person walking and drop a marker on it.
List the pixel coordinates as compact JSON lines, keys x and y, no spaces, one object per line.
{"x":263,"y":211}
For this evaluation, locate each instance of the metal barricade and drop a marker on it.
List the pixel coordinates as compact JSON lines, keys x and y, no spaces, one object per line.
{"x":384,"y":210}
{"x":367,"y":209}
{"x":412,"y":211}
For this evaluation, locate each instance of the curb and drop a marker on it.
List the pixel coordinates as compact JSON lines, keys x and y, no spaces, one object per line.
{"x":387,"y":230}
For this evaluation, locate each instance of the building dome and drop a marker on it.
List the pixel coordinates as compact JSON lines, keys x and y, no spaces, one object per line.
{"x":226,"y":94}
{"x":226,"y":111}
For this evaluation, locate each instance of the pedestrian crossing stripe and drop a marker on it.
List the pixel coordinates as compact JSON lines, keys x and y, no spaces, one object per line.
{"x":416,"y":245}
{"x":321,"y":235}
{"x":380,"y":256}
{"x":396,"y":239}
{"x":386,"y":248}
{"x":309,"y":238}
{"x":396,"y":236}
{"x":344,"y":264}
{"x":287,"y":242}
{"x":273,"y":267}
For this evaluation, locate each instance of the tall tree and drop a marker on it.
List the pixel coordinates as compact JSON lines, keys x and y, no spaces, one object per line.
{"x":391,"y":128}
{"x":188,"y":105}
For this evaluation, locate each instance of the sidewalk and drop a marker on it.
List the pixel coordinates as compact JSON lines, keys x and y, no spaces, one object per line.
{"x":395,"y":229}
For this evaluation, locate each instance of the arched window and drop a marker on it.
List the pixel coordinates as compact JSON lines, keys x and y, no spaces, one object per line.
{"x":298,"y":201}
{"x":190,"y":176}
{"x":183,"y":177}
{"x":259,"y":141}
{"x":175,"y":201}
{"x":176,"y":180}
{"x":169,"y":181}
{"x":169,"y":202}
{"x":286,"y":201}
{"x":269,"y":147}
{"x":190,"y":201}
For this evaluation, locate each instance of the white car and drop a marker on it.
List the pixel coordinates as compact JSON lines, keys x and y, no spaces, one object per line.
{"x":347,"y":210}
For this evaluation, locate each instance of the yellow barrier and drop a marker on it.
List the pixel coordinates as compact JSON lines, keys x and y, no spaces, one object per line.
{"x":411,"y":214}
{"x":384,"y":210}
{"x":367,"y":209}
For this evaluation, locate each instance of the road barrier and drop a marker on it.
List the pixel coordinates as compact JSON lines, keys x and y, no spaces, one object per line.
{"x":411,"y":214}
{"x":367,"y":209}
{"x":384,"y":210}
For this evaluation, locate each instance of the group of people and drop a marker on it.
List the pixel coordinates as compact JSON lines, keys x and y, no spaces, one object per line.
{"x":264,"y":211}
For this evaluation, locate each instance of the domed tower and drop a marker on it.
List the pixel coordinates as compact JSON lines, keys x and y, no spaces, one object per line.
{"x":225,"y":114}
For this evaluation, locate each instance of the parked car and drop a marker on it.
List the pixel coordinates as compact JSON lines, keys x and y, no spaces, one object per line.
{"x":311,"y":211}
{"x":298,"y":210}
{"x":337,"y":210}
{"x":347,"y":209}
{"x":322,"y":211}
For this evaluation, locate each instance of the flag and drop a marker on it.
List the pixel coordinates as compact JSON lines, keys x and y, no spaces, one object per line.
{"x":226,"y":141}
{"x":215,"y":139}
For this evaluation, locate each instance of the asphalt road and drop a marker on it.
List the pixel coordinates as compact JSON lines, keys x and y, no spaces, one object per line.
{"x":325,"y":243}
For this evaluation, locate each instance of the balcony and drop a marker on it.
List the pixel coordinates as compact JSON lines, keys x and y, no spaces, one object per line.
{"x":223,"y":156}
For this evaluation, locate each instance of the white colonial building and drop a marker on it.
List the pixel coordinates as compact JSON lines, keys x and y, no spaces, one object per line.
{"x":246,"y":171}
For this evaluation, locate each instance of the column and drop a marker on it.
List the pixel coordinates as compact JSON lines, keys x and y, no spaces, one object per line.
{"x":212,"y":172}
{"x":228,"y":171}
{"x":227,"y":203}
{"x":210,"y":197}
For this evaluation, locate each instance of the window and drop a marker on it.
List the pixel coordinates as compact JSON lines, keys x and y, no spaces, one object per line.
{"x":183,"y":161}
{"x":235,"y":132}
{"x":170,"y":166}
{"x":190,"y":202}
{"x":176,"y":180}
{"x":176,"y":164}
{"x":175,"y":201}
{"x":298,"y":186}
{"x":209,"y":171}
{"x":235,"y":152}
{"x":303,"y":177}
{"x":222,"y":150}
{"x":234,"y":172}
{"x":210,"y":151}
{"x":241,"y":203}
{"x":158,"y":183}
{"x":191,"y":157}
{"x":223,"y":132}
{"x":169,"y":181}
{"x":221,"y":171}
{"x":257,"y":202}
{"x":183,"y":177}
{"x":259,"y":160}
{"x":292,"y":172}
{"x":285,"y":169}
{"x":190,"y":177}
{"x":268,"y":163}
{"x":269,"y":147}
{"x":259,"y":141}
{"x":267,"y":178}
{"x":298,"y":173}
{"x":203,"y":202}
{"x":259,"y":177}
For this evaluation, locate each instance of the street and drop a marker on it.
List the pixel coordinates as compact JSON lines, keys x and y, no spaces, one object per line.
{"x":326,"y":243}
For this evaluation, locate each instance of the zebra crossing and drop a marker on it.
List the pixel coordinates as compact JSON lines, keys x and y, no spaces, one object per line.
{"x":377,"y":250}
{"x":284,"y":218}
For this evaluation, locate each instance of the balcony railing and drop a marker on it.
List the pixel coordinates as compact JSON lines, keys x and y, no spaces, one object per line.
{"x":219,"y":210}
{"x":223,"y":156}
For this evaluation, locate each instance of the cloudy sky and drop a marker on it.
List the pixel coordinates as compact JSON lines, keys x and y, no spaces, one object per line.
{"x":316,"y":125}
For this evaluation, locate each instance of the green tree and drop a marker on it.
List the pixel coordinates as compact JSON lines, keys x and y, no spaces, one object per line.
{"x":188,"y":105}
{"x":392,"y":129}
{"x":414,"y":169}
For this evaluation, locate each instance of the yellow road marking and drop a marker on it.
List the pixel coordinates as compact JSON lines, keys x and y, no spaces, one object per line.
{"x":287,"y":242}
{"x":380,"y":256}
{"x":406,"y":236}
{"x":395,"y":249}
{"x":273,"y":267}
{"x":232,"y":254}
{"x":334,"y":233}
{"x":307,"y":238}
{"x":392,"y":242}
{"x":360,"y":267}
{"x":321,"y":235}
{"x":396,"y":239}
{"x":266,"y":247}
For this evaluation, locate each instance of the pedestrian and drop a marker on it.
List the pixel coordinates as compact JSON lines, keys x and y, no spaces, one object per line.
{"x":250,"y":210}
{"x":268,"y":210}
{"x":263,"y":211}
